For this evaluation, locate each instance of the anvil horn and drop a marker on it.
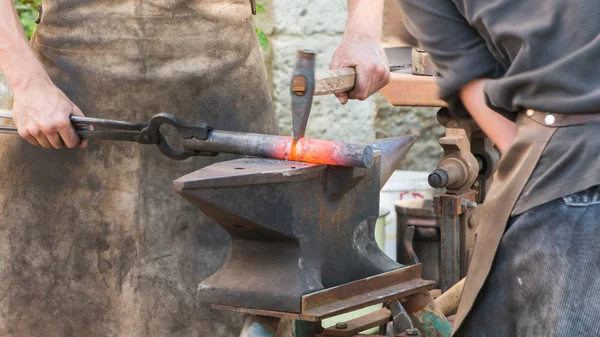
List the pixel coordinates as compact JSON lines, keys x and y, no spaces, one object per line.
{"x":393,"y":151}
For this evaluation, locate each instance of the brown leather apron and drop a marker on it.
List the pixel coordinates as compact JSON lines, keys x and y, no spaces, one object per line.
{"x":94,"y":242}
{"x":514,"y":169}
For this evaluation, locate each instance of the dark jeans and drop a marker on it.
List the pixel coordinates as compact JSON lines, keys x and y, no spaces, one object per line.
{"x":545,"y":280}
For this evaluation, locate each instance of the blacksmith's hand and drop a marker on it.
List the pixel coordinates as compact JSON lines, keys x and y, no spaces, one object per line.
{"x":361,"y":49}
{"x":41,"y":114}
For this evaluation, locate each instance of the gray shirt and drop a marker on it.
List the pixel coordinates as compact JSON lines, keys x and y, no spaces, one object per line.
{"x":539,"y":55}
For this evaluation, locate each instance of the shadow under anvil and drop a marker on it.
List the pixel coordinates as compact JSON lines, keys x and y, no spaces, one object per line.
{"x":295,"y":228}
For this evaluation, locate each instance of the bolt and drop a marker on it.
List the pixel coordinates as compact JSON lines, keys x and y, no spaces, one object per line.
{"x":341,"y":325}
{"x":467,"y":205}
{"x":437,"y":179}
{"x":147,"y":138}
{"x":472,"y":221}
{"x":412,"y":332}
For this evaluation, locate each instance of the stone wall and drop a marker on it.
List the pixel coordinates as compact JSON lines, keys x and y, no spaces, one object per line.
{"x":319,"y":25}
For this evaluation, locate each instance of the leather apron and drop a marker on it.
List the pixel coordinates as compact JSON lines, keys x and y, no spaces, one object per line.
{"x":514,"y":169}
{"x":94,"y":243}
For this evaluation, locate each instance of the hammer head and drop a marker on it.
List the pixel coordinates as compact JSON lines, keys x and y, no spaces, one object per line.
{"x":302,"y":90}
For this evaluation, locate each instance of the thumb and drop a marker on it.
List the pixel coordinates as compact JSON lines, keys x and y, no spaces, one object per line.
{"x":77,"y":112}
{"x":342,"y":97}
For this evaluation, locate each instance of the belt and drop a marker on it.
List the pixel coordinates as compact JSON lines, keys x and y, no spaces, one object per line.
{"x":561,"y":120}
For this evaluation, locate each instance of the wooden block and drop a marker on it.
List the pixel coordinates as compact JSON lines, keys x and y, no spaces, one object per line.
{"x":412,"y":90}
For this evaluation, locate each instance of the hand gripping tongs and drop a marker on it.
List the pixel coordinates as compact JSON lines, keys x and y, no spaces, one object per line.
{"x":139,"y":132}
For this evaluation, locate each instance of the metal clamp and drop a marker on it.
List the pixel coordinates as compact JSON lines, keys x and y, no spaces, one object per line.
{"x":186,"y":130}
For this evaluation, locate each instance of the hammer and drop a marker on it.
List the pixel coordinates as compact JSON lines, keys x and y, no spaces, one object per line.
{"x":305,"y":84}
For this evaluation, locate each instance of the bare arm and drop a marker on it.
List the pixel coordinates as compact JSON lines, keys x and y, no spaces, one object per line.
{"x":41,"y":111}
{"x":500,"y":130}
{"x":361,"y":49}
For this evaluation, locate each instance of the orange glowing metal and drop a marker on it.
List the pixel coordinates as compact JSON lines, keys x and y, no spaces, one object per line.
{"x":312,"y":151}
{"x":280,"y":147}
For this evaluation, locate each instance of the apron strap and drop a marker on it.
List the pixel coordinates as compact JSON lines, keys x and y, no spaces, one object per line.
{"x":513,"y":172}
{"x":562,"y":120}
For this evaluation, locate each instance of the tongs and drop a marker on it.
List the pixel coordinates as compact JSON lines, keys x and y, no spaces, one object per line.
{"x":139,"y":132}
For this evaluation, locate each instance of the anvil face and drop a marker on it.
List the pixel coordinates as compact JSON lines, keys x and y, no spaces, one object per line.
{"x":295,"y":228}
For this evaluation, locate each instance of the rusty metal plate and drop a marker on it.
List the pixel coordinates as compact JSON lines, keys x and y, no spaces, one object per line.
{"x":372,"y":290}
{"x":261,"y":312}
{"x":351,"y":296}
{"x":355,"y":326}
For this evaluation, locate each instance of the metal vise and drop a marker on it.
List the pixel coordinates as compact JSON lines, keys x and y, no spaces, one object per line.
{"x":295,"y":228}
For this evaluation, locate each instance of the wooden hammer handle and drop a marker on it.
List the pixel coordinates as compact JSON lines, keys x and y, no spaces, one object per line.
{"x":449,"y":300}
{"x":334,"y":81}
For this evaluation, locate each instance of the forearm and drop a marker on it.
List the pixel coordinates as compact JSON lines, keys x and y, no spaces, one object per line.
{"x":364,"y":18}
{"x":500,"y":130}
{"x":17,"y":60}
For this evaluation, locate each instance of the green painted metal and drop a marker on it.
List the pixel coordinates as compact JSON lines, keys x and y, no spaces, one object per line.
{"x":432,"y":322}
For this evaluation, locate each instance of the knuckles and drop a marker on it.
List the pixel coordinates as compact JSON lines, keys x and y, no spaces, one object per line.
{"x":361,"y":96}
{"x":35,"y":131}
{"x":24,"y":133}
{"x":54,"y":126}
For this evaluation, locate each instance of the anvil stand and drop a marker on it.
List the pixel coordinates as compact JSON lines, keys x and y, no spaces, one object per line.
{"x":303,"y":245}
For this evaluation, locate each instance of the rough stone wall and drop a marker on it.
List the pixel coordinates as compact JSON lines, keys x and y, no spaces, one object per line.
{"x":319,"y":25}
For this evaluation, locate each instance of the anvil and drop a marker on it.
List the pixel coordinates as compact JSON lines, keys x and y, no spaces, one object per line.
{"x":295,"y":228}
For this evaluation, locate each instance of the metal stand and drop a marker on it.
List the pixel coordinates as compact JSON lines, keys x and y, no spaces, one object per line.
{"x":404,"y":285}
{"x":465,"y":171}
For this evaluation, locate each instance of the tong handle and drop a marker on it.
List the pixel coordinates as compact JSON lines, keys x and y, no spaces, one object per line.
{"x":88,"y":121}
{"x":140,"y":132}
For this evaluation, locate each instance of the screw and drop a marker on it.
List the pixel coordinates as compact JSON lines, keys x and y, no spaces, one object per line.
{"x":341,"y":325}
{"x":467,"y":205}
{"x":412,"y":332}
